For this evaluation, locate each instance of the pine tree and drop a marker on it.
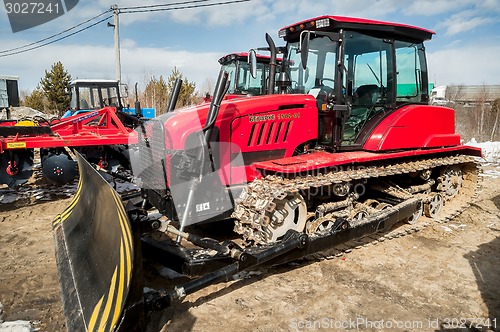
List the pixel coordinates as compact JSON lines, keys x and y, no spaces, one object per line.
{"x":36,"y":99}
{"x":187,"y":95}
{"x":55,"y":85}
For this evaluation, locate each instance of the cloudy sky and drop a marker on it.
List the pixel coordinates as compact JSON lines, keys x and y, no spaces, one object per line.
{"x":465,"y":49}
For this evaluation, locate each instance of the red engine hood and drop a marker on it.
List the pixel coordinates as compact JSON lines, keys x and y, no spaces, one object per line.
{"x":184,"y":122}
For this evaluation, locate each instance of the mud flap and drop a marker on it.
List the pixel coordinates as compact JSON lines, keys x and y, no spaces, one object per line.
{"x":98,"y":261}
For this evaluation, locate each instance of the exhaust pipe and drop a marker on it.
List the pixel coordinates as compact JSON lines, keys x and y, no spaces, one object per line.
{"x":219,"y":92}
{"x":137,"y":104}
{"x":272,"y":64}
{"x":175,"y":95}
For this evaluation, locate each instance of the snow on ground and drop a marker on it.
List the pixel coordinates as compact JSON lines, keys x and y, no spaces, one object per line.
{"x":17,"y":113}
{"x":15,"y":326}
{"x":491,"y":150}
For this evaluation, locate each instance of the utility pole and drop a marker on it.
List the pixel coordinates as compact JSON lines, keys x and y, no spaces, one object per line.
{"x":116,"y":27}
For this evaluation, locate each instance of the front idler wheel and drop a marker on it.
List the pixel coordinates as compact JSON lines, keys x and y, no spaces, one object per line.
{"x":289,"y":212}
{"x":434,"y":206}
{"x":416,"y":215}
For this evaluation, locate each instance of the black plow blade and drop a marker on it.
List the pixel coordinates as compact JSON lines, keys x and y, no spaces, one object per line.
{"x":96,"y":250}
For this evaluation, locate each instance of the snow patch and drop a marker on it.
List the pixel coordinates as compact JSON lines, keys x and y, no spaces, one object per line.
{"x":491,"y":150}
{"x":16,"y":326}
{"x":8,"y":196}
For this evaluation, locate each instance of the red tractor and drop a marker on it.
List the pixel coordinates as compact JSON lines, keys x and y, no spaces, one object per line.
{"x":242,"y":82}
{"x":349,"y":146}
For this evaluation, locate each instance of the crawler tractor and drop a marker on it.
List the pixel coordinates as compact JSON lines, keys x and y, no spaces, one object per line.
{"x":242,"y":81}
{"x":348,"y":147}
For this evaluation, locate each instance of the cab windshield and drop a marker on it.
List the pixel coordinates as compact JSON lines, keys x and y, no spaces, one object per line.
{"x":320,"y":69}
{"x":242,"y":82}
{"x":93,"y":97}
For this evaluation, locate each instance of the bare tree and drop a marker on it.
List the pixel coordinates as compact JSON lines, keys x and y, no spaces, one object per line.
{"x":453,"y":92}
{"x":207,"y":86}
{"x":481,"y":101}
{"x":495,"y":109}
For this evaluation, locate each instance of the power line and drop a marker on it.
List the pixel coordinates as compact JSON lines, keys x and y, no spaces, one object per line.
{"x":177,"y":8}
{"x":164,"y":4}
{"x":56,"y":40}
{"x":57,"y":34}
{"x":126,"y":10}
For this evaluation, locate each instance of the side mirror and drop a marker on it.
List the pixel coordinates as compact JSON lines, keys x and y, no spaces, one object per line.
{"x":124,"y":90}
{"x":305,"y":37}
{"x":252,"y":60}
{"x":306,"y":74}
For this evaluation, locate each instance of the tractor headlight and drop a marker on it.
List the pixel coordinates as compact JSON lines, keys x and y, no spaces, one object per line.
{"x":323,"y":23}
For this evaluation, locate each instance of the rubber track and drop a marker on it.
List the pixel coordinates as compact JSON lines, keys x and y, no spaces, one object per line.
{"x":258,"y":197}
{"x":469,"y":194}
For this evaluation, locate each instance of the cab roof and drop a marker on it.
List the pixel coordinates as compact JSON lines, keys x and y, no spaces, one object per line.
{"x":335,"y":23}
{"x":243,"y":56}
{"x":92,"y":81}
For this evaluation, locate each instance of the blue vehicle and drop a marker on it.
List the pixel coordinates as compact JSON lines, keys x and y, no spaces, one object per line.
{"x":88,"y":95}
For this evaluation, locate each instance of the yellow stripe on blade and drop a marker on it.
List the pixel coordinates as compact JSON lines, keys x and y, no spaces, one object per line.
{"x":95,"y":314}
{"x":126,"y":235}
{"x":109,"y":302}
{"x":121,"y":286}
{"x":67,"y":212}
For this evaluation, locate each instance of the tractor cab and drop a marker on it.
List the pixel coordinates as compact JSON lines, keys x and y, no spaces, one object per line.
{"x":358,"y":70}
{"x":90,"y":95}
{"x":242,"y":83}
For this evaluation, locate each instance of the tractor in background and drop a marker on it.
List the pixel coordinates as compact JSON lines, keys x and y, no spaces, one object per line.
{"x":348,"y":146}
{"x":242,"y":81}
{"x":92,"y":94}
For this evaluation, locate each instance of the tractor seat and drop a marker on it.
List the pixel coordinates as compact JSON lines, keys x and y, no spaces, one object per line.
{"x":354,"y":122}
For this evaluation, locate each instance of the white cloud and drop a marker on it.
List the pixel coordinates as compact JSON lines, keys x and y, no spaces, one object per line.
{"x":489,"y":5}
{"x":465,"y":64}
{"x":87,"y":61}
{"x":465,"y":21}
{"x":128,"y":43}
{"x":437,"y":7}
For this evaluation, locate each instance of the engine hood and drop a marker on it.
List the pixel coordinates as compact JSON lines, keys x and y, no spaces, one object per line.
{"x":181,"y":123}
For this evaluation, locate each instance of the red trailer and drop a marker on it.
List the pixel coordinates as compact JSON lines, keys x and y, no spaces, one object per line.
{"x":93,"y":133}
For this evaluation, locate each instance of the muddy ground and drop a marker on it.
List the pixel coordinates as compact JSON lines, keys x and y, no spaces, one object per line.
{"x":444,"y":276}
